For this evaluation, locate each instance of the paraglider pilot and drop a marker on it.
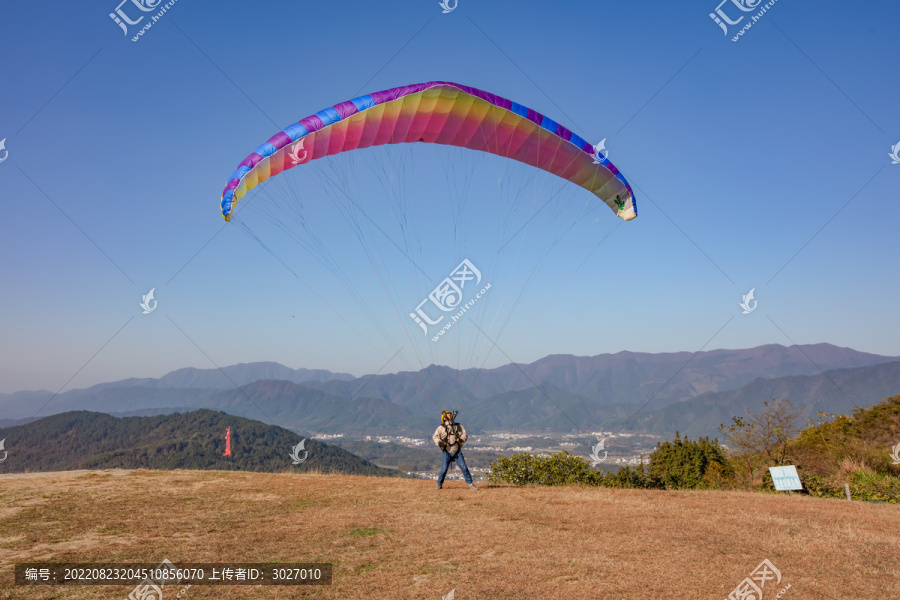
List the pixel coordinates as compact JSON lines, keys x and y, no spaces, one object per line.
{"x":449,"y":437}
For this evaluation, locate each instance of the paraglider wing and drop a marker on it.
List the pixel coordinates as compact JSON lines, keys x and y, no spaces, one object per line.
{"x":439,"y":113}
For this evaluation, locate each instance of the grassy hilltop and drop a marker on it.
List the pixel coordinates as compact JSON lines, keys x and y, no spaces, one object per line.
{"x":392,"y":539}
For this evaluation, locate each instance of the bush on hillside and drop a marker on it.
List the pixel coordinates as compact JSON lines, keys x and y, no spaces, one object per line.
{"x":836,"y":450}
{"x":561,"y":468}
{"x":629,"y":477}
{"x":682,"y":464}
{"x":686,"y":465}
{"x":517,"y":469}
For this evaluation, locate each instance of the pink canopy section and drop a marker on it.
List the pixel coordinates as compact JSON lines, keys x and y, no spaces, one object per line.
{"x":437,"y":112}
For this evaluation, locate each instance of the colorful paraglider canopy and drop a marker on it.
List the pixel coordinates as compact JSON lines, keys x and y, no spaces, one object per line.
{"x":437,"y":112}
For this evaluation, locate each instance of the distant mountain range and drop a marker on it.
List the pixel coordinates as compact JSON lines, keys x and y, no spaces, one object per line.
{"x":623,"y":378}
{"x":229,"y":377}
{"x":836,"y":391}
{"x":658,"y":393}
{"x":195,"y":440}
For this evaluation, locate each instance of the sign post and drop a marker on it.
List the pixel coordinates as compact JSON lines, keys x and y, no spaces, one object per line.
{"x":785,"y":478}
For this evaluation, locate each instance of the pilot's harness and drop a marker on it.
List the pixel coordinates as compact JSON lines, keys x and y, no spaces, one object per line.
{"x":452,"y":429}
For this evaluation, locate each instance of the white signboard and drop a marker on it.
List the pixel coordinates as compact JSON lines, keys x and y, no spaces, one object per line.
{"x":785,"y":478}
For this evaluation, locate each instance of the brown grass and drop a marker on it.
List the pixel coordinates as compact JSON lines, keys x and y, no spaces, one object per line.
{"x":392,"y":539}
{"x":848,"y":467}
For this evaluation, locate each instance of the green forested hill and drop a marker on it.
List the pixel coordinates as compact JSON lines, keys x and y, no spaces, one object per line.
{"x":193,"y":440}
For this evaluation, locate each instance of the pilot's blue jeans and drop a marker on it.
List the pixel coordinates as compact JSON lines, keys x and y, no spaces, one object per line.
{"x":445,"y":466}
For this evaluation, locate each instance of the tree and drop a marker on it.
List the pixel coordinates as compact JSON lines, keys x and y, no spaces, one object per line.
{"x":776,"y":425}
{"x":741,"y":438}
{"x":762,"y":435}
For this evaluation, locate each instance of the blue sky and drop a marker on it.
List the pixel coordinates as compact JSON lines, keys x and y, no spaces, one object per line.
{"x":761,"y":163}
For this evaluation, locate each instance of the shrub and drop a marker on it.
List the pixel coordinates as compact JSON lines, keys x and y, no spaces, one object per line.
{"x":561,"y":468}
{"x":867,"y":485}
{"x":682,"y":464}
{"x":685,"y":464}
{"x":628,"y":477}
{"x":820,"y":487}
{"x":517,"y":469}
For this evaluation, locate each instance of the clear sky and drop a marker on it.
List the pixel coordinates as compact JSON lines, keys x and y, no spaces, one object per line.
{"x":761,"y":163}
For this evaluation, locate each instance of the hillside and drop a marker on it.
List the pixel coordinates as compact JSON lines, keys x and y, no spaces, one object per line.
{"x":195,"y":440}
{"x":836,"y":391}
{"x":396,"y":539}
{"x":855,"y":448}
{"x":301,"y":408}
{"x":531,"y":410}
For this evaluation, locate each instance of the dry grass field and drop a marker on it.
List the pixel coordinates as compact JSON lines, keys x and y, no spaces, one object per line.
{"x":392,"y":538}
